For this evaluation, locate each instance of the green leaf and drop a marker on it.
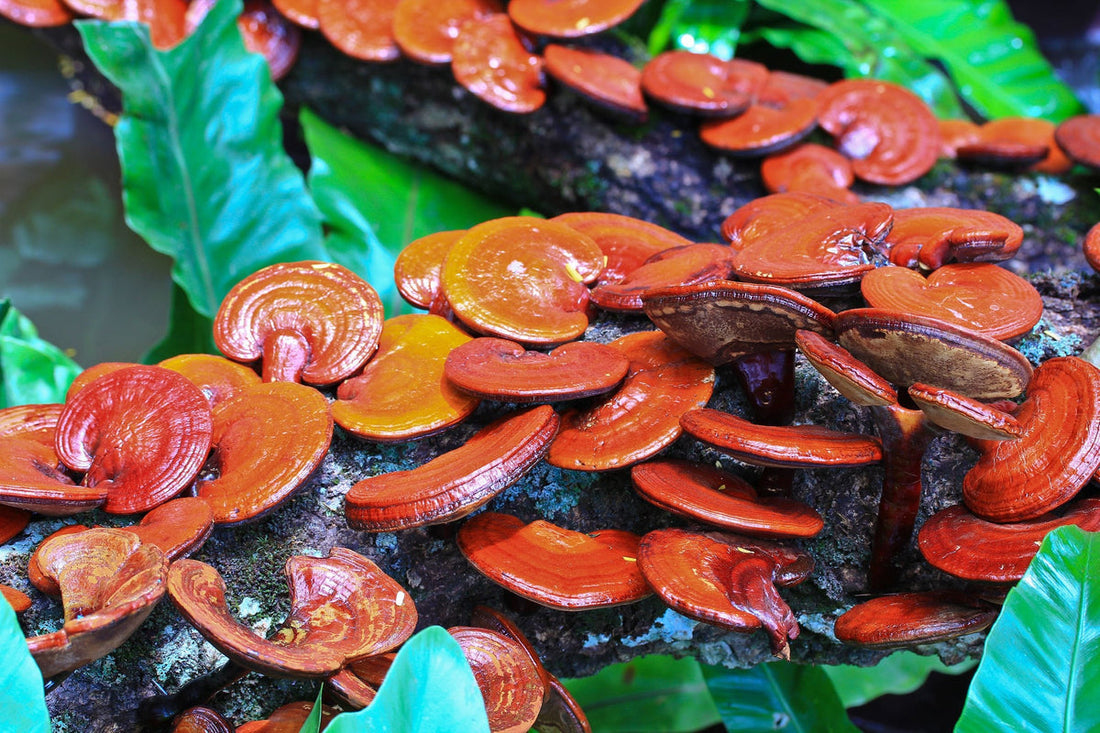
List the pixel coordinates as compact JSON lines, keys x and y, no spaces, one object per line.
{"x":776,"y":696}
{"x":312,"y":724}
{"x":429,"y":689}
{"x":650,"y":694}
{"x":1041,"y":665}
{"x":701,"y":26}
{"x":32,"y":370}
{"x":375,"y":203}
{"x":21,"y":695}
{"x":188,"y":332}
{"x":205,"y":177}
{"x":993,"y":60}
{"x":900,"y":673}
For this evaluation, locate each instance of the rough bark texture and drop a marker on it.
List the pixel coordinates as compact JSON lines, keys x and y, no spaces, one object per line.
{"x":567,"y":157}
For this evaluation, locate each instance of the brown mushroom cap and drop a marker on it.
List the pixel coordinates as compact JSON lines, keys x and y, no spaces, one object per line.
{"x":722,"y":499}
{"x":782,"y":446}
{"x":510,"y":684}
{"x":553,"y":566}
{"x":342,"y":608}
{"x":217,"y":377}
{"x":36,"y":13}
{"x":931,"y":236}
{"x":362,"y":29}
{"x":907,"y":619}
{"x":960,"y":414}
{"x":401,"y":394}
{"x":722,"y":321}
{"x":425,"y":30}
{"x":1016,"y":480}
{"x":905,"y":349}
{"x":570,"y":18}
{"x":143,"y":432}
{"x":504,"y":370}
{"x":456,"y":483}
{"x":608,"y":81}
{"x":641,"y":417}
{"x":490,"y":60}
{"x":702,"y":83}
{"x":760,"y":129}
{"x":311,"y":321}
{"x":626,"y":242}
{"x":1079,"y":138}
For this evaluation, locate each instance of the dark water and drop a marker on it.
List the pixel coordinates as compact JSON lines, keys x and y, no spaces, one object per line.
{"x":67,"y":259}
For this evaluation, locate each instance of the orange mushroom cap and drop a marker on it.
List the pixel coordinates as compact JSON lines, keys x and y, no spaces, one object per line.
{"x":416,"y":270}
{"x":490,"y":60}
{"x":363,"y":29}
{"x":761,"y":129}
{"x":850,"y":376}
{"x":908,"y":619}
{"x":33,"y":479}
{"x":12,"y":522}
{"x":626,"y":242}
{"x":217,"y":377}
{"x":609,"y":81}
{"x":931,"y":236}
{"x":265,"y":31}
{"x":686,"y":265}
{"x":956,"y":133}
{"x":301,"y":12}
{"x":425,"y":30}
{"x":201,"y":720}
{"x":36,"y":13}
{"x":178,"y":527}
{"x":1017,"y":142}
{"x":288,"y":718}
{"x":510,"y":684}
{"x":17,"y":599}
{"x":1079,"y":138}
{"x":570,"y":18}
{"x":702,"y":83}
{"x":810,"y":168}
{"x":961,"y":414}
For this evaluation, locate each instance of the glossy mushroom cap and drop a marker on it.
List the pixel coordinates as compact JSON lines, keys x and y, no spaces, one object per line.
{"x":909,"y":619}
{"x":810,"y":168}
{"x":1079,"y":138}
{"x":491,"y":61}
{"x":425,"y":30}
{"x":686,"y":265}
{"x":702,"y":83}
{"x":625,"y":241}
{"x":217,"y":377}
{"x":761,"y":130}
{"x":510,"y":683}
{"x":570,"y":18}
{"x":416,"y":270}
{"x":932,"y":236}
{"x":607,"y":81}
{"x":362,"y":29}
{"x":36,"y":13}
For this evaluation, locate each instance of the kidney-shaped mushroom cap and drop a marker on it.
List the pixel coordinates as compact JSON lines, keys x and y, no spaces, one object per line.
{"x":109,"y":583}
{"x":642,"y":416}
{"x":908,"y":619}
{"x":401,"y":394}
{"x":722,"y":321}
{"x":782,"y":446}
{"x":606,"y":80}
{"x":342,"y":608}
{"x":931,"y":236}
{"x":960,"y":543}
{"x":905,"y":348}
{"x":760,"y":129}
{"x":553,"y":566}
{"x":722,"y":499}
{"x":314,"y":322}
{"x":523,"y":279}
{"x":626,"y":242}
{"x":490,"y":60}
{"x":960,"y":414}
{"x":511,"y":685}
{"x":30,"y":421}
{"x":725,"y":579}
{"x":1016,"y":480}
{"x":217,"y":377}
{"x":686,"y":265}
{"x":143,"y":432}
{"x":890,"y":133}
{"x":570,"y":18}
{"x":33,"y":479}
{"x":425,"y":30}
{"x":456,"y":483}
{"x":416,"y":269}
{"x":1079,"y":138}
{"x":503,"y":370}
{"x":702,"y":83}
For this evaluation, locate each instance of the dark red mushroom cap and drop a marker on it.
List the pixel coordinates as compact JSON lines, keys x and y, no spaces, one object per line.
{"x":606,"y":80}
{"x":201,"y":720}
{"x":510,"y":683}
{"x":33,"y":479}
{"x":12,"y":522}
{"x":908,"y":619}
{"x":702,"y":83}
{"x":570,"y":18}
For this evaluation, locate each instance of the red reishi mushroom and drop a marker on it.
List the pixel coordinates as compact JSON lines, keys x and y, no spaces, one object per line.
{"x":570,"y":18}
{"x":979,"y":296}
{"x":810,"y":168}
{"x":641,"y":417}
{"x":523,"y":279}
{"x":930,"y":236}
{"x":761,"y":129}
{"x":201,"y":720}
{"x":178,"y":527}
{"x":910,"y":619}
{"x":342,"y":608}
{"x":504,"y":370}
{"x":12,"y":522}
{"x":510,"y":684}
{"x":314,"y":322}
{"x":702,"y":83}
{"x":553,"y":566}
{"x":726,"y":580}
{"x":93,"y":373}
{"x":1016,"y":142}
{"x":686,"y":265}
{"x":416,"y":270}
{"x":36,"y":421}
{"x":17,"y":599}
{"x":267,"y":440}
{"x":722,"y":499}
{"x":889,"y":133}
{"x":956,"y":133}
{"x":963,"y":544}
{"x":607,"y":81}
{"x":36,"y":13}
{"x":625,"y":241}
{"x":425,"y":30}
{"x":217,"y":377}
{"x":32,"y":477}
{"x":1091,"y":247}
{"x":300,"y":12}
{"x":1079,"y":139}
{"x":491,"y":61}
{"x":141,"y":433}
{"x":784,"y":87}
{"x":455,"y":483}
{"x":36,"y":575}
{"x":961,"y":414}
{"x":401,"y":394}
{"x":363,"y":29}
{"x":265,"y":31}
{"x":287,"y":718}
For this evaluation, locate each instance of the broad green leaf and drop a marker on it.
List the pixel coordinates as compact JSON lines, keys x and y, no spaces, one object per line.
{"x":429,"y":689}
{"x":812,"y":45}
{"x":900,"y":673}
{"x":374,"y":203}
{"x":21,"y":695}
{"x":777,"y":696}
{"x":701,"y":26}
{"x":188,"y":332}
{"x":32,"y":370}
{"x":651,"y":694}
{"x":205,"y":177}
{"x":993,"y":60}
{"x":1041,"y":666}
{"x":312,"y":724}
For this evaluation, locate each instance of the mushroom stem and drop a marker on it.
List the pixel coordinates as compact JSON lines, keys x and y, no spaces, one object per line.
{"x":156,"y":712}
{"x":905,"y":436}
{"x":768,"y":379}
{"x":286,"y":354}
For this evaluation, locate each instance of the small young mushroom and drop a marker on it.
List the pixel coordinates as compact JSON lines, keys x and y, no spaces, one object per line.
{"x":456,"y":483}
{"x":491,"y":61}
{"x":956,"y":133}
{"x":363,"y":29}
{"x":314,"y":322}
{"x":201,"y":720}
{"x":686,"y":265}
{"x":553,"y":566}
{"x":607,"y":81}
{"x":701,"y":83}
{"x":760,"y":129}
{"x":910,"y":619}
{"x":18,"y":600}
{"x":510,"y":684}
{"x":425,"y":30}
{"x":12,"y":522}
{"x":626,"y":242}
{"x":288,"y":718}
{"x":570,"y":18}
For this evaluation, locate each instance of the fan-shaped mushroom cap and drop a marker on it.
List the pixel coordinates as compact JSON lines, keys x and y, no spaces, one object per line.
{"x":722,"y":321}
{"x":810,"y":168}
{"x":103,"y":9}
{"x":32,"y":479}
{"x":686,"y":265}
{"x":960,"y":414}
{"x":980,"y":296}
{"x":142,"y":433}
{"x":510,"y":684}
{"x":217,"y":377}
{"x":642,"y":416}
{"x":523,"y":279}
{"x":503,"y":370}
{"x":553,"y":566}
{"x":606,"y":80}
{"x":702,"y":83}
{"x":315,"y":322}
{"x":1079,"y":138}
{"x":416,"y":270}
{"x":490,"y":60}
{"x":201,"y":720}
{"x":178,"y":527}
{"x":1017,"y":142}
{"x":425,"y":30}
{"x":956,"y":133}
{"x":726,"y":580}
{"x":362,"y":29}
{"x":456,"y":483}
{"x":626,"y":242}
{"x":265,"y":31}
{"x":109,"y":583}
{"x":889,"y":132}
{"x":784,"y":87}
{"x":93,"y":373}
{"x":570,"y":18}
{"x":760,"y":129}
{"x":36,"y":575}
{"x":851,"y":377}
{"x":17,"y":599}
{"x":907,"y":619}
{"x":30,"y":421}
{"x":722,"y":499}
{"x":342,"y":608}
{"x":1059,"y":450}
{"x":905,"y":348}
{"x":931,"y":236}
